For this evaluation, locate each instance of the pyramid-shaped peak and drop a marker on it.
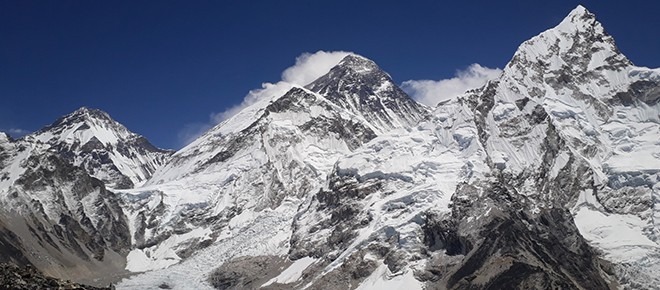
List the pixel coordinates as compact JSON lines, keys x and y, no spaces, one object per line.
{"x":354,"y":69}
{"x":359,"y":85}
{"x":578,"y":41}
{"x":89,"y":113}
{"x":358,"y":63}
{"x":355,"y":59}
{"x":83,"y":124}
{"x":107,"y":149}
{"x":580,"y":11}
{"x":579,"y":19}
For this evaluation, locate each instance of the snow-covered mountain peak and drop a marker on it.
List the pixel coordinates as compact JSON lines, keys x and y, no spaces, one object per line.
{"x":355,"y":69}
{"x":580,"y":14}
{"x":83,"y":125}
{"x":582,"y":21}
{"x":90,"y":138}
{"x":578,"y":40}
{"x":358,"y":64}
{"x":576,"y":55}
{"x":90,"y":113}
{"x":575,"y":75}
{"x":360,"y":86}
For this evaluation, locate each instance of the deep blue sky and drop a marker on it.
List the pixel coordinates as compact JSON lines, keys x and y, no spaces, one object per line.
{"x":159,"y":66}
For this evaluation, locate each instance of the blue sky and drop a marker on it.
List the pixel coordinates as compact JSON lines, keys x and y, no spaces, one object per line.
{"x":166,"y":68}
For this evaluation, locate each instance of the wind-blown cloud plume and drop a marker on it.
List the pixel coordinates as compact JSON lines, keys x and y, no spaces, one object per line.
{"x":308,"y":67}
{"x":311,"y":66}
{"x":16,"y":132}
{"x":431,"y":92}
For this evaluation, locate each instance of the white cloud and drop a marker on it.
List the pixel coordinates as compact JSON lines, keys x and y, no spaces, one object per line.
{"x":265,"y":93}
{"x":17,"y":133}
{"x":431,"y":92}
{"x":190,"y":132}
{"x":308,"y":67}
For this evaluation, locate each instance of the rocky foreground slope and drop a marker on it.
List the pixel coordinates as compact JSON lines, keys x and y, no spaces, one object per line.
{"x":28,"y":278}
{"x":547,"y":177}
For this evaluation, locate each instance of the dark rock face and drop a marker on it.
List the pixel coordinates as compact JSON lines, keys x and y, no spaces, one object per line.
{"x":342,"y":203}
{"x":354,"y":269}
{"x":59,"y":219}
{"x":647,"y":92}
{"x":29,"y":278}
{"x":512,"y":247}
{"x":441,"y":233}
{"x":51,"y":174}
{"x":247,"y":273}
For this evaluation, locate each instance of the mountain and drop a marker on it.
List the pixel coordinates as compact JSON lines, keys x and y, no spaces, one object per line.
{"x":248,"y":172}
{"x":358,"y":85}
{"x":547,"y":177}
{"x":57,"y":212}
{"x":91,"y":139}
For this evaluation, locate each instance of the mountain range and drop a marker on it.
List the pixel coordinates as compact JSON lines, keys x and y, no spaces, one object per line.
{"x":547,"y":177}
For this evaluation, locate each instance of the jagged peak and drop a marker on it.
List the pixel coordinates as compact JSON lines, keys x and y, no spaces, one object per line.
{"x":95,"y":122}
{"x":352,"y":66}
{"x":360,"y":86}
{"x":581,"y":26}
{"x":579,"y":19}
{"x":90,"y":113}
{"x":574,"y":42}
{"x":354,"y":69}
{"x":90,"y":117}
{"x":580,"y":12}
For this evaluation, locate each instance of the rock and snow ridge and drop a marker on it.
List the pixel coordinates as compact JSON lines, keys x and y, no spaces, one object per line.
{"x":347,"y":183}
{"x":56,"y":217}
{"x":91,"y":139}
